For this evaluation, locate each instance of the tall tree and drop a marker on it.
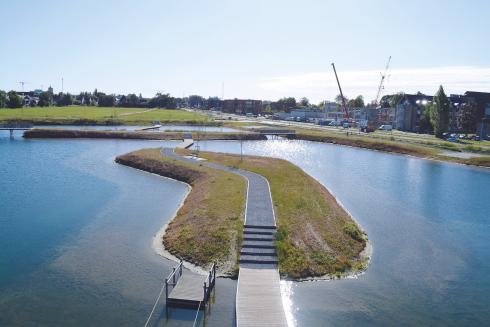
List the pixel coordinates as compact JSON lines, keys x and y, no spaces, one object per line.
{"x":3,"y":99}
{"x":64,"y":99}
{"x":45,"y":99}
{"x":14,"y":100}
{"x":439,"y":112}
{"x":304,"y":102}
{"x":358,"y":102}
{"x":286,"y":104}
{"x":106,"y":100}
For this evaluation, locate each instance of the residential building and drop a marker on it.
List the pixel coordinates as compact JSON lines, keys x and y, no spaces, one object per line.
{"x":242,"y":107}
{"x":409,"y":111}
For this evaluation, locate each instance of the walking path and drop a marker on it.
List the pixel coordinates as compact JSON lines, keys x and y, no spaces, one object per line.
{"x":258,"y":299}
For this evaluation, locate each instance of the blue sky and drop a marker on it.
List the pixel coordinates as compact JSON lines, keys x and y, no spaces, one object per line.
{"x":259,"y":49}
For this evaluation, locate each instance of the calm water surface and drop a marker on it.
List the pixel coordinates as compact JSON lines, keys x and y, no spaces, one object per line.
{"x":76,"y":232}
{"x":429,"y":224}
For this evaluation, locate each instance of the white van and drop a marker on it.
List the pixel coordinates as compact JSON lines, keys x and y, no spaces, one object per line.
{"x":386,"y":127}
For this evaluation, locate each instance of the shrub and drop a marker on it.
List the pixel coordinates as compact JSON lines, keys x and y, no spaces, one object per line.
{"x":353,"y":231}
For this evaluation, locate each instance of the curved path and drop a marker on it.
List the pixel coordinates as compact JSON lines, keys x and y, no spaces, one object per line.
{"x":258,"y":298}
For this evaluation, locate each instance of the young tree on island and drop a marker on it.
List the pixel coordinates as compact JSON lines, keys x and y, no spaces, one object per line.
{"x":439,"y":112}
{"x":14,"y":100}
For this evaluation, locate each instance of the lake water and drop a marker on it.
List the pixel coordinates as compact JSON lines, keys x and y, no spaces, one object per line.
{"x":76,"y":235}
{"x":429,"y":224}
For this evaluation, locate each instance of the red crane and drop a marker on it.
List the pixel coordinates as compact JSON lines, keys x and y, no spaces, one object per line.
{"x":344,"y":106}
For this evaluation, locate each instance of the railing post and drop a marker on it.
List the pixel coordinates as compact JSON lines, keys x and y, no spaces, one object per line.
{"x":166,"y":289}
{"x":173,"y":276}
{"x":181,"y":264}
{"x":204,"y":288}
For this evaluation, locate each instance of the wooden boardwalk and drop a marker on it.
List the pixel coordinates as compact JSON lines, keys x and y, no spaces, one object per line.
{"x":258,"y":298}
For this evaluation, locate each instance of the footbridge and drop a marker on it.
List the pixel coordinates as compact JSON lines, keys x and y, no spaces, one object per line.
{"x":258,"y":298}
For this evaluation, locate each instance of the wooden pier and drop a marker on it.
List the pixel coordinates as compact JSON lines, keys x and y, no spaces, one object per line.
{"x":258,"y":298}
{"x":14,"y":127}
{"x":189,"y":290}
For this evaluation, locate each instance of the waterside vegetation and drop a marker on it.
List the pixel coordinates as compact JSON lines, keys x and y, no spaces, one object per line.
{"x":208,"y":227}
{"x":315,"y":235}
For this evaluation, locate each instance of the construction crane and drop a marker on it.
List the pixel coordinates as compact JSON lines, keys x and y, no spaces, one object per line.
{"x":381,"y":87}
{"x":22,"y":83}
{"x":344,"y":106}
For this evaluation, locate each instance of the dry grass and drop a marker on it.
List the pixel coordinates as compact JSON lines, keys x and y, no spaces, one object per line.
{"x":208,"y":227}
{"x":315,"y":235}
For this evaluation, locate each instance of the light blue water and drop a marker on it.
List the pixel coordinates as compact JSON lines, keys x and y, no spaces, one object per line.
{"x":429,"y":223}
{"x":76,"y":232}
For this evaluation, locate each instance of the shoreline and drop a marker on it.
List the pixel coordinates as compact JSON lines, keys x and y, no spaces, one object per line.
{"x":362,"y":263}
{"x":157,"y":240}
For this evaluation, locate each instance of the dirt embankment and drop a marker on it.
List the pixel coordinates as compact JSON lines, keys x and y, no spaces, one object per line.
{"x":141,"y":135}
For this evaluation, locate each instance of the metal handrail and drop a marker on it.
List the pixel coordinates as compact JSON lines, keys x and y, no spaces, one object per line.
{"x":172,"y":276}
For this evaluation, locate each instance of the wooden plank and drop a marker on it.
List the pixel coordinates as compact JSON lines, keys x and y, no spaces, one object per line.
{"x":258,"y":301}
{"x":188,"y":288}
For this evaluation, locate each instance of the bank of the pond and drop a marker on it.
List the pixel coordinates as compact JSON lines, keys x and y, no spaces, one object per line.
{"x":316,"y":237}
{"x":208,"y":226}
{"x":387,"y":146}
{"x":141,"y":135}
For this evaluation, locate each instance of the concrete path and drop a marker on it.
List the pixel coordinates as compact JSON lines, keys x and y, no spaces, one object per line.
{"x":258,"y":299}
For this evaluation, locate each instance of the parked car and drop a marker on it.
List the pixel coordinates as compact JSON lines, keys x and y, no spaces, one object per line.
{"x":452,"y":139}
{"x":386,"y":127}
{"x":334,"y":123}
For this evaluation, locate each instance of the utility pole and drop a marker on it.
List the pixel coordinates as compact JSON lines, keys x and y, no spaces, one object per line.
{"x":62,"y":85}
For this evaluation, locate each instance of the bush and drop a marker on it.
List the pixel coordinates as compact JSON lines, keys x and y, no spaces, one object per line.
{"x":353,"y":231}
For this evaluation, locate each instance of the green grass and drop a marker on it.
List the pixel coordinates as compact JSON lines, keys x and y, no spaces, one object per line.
{"x":315,"y":235}
{"x":98,"y":115}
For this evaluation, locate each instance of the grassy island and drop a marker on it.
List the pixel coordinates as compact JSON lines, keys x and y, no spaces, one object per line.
{"x":136,"y":135}
{"x":315,"y":235}
{"x":208,"y":227}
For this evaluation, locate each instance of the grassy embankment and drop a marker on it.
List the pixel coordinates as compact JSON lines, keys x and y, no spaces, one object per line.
{"x":430,"y":149}
{"x":315,"y":236}
{"x":209,"y":225}
{"x":79,"y":115}
{"x":141,"y":135}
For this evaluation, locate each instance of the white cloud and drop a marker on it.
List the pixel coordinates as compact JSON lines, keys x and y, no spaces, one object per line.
{"x":322,"y":85}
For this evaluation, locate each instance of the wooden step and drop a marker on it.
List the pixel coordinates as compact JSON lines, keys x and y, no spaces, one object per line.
{"x":259,"y":244}
{"x":260,"y":226}
{"x":258,"y":259}
{"x":257,"y":251}
{"x":259,"y":231}
{"x":251,"y":237}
